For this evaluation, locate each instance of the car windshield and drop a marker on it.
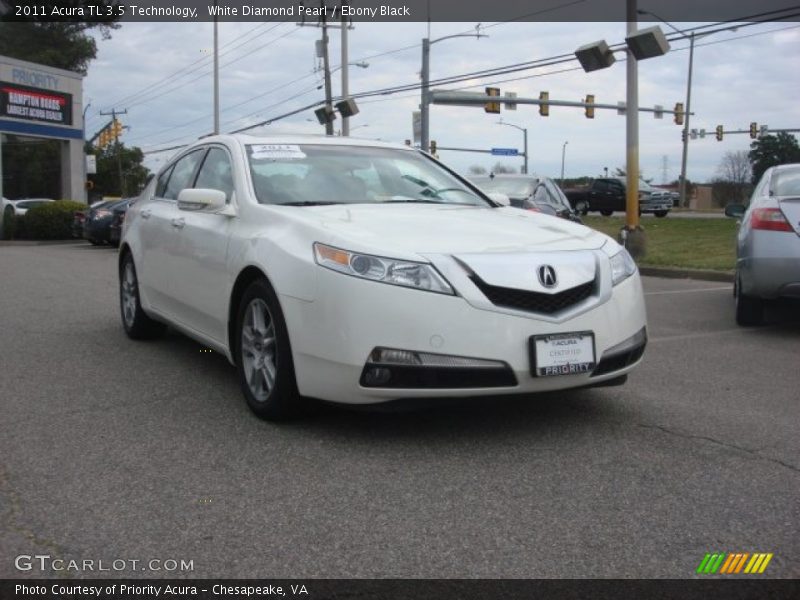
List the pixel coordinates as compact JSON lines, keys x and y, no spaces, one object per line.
{"x":510,"y":186}
{"x":786,"y":182}
{"x":311,"y":174}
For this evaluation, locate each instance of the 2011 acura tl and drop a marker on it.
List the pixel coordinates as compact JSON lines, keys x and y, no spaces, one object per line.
{"x":362,"y":272}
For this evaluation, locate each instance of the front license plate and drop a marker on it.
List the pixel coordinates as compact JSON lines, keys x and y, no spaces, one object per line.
{"x":562,"y":354}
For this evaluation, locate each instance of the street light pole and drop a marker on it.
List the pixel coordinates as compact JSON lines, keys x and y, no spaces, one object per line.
{"x":524,"y":142}
{"x":685,"y":155}
{"x":563,"y":156}
{"x":345,"y":74}
{"x":425,"y":104}
{"x":425,"y":101}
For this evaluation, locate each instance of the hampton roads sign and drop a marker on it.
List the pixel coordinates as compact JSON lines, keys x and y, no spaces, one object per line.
{"x":35,"y":104}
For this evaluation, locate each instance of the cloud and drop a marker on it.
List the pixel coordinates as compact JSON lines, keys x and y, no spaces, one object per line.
{"x":161,"y":72}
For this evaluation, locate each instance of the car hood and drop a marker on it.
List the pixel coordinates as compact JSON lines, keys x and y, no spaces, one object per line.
{"x":420,"y":229}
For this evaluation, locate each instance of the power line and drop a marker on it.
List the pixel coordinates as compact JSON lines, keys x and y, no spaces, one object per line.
{"x":507,"y":69}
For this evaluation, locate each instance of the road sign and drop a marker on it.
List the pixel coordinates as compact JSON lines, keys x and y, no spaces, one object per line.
{"x":511,"y":105}
{"x":505,"y":152}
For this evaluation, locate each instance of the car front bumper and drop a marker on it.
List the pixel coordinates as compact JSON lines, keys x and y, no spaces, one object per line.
{"x":333,"y":336}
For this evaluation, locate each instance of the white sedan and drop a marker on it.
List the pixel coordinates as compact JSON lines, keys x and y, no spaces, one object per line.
{"x":363,"y":272}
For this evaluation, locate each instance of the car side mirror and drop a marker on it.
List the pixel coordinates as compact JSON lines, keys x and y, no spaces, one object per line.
{"x":201,"y":199}
{"x":499,"y":198}
{"x":735,"y":210}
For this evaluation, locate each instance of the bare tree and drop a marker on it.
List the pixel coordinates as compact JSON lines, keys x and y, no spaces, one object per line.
{"x":500,"y":168}
{"x":477,"y":170}
{"x":735,"y":170}
{"x":735,"y":167}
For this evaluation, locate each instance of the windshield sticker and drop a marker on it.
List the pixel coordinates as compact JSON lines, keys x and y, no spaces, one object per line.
{"x":276,"y":152}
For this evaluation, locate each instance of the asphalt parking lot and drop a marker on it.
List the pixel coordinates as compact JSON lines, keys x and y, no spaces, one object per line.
{"x":112,"y":449}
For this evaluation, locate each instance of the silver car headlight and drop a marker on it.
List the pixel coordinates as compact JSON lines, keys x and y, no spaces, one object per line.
{"x":622,"y":266}
{"x":420,"y":276}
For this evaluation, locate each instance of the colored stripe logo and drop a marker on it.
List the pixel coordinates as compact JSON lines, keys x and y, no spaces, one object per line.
{"x":732,"y":563}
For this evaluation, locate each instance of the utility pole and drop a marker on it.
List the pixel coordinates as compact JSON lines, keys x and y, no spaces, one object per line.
{"x":632,"y":235}
{"x":345,"y":74}
{"x":117,"y":146}
{"x":322,"y":52}
{"x":216,"y":75}
{"x":327,"y":66}
{"x":685,"y":155}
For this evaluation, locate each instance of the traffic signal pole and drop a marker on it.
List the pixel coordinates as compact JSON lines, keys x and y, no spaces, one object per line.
{"x":116,"y":129}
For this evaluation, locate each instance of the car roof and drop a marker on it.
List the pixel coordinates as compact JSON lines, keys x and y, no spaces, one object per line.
{"x":300,"y":139}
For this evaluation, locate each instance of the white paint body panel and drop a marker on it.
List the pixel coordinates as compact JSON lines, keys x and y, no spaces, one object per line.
{"x":187,"y":275}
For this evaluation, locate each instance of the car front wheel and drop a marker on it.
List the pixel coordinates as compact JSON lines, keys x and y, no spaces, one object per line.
{"x":606,"y":213}
{"x":263,"y":355}
{"x":749,"y":309}
{"x":582,"y":207}
{"x":136,"y":323}
{"x":661,"y":213}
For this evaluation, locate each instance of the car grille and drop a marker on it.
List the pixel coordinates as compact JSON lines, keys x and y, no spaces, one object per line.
{"x":534,"y":301}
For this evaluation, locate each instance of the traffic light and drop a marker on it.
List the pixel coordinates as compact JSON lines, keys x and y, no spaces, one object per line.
{"x":544,"y":109}
{"x":433,"y":147}
{"x":754,"y":130}
{"x":683,"y":135}
{"x":103,"y":138}
{"x":678,"y":113}
{"x":719,"y":133}
{"x":589,"y":108}
{"x":492,"y":107}
{"x":116,"y":128}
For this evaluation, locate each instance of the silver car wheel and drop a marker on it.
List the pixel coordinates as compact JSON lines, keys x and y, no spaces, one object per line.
{"x":128,"y":284}
{"x":259,"y":351}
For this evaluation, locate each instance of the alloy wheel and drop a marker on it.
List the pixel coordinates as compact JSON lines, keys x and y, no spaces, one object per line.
{"x":259,"y":349}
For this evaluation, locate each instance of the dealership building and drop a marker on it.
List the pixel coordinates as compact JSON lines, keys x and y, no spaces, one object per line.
{"x":41,"y":132}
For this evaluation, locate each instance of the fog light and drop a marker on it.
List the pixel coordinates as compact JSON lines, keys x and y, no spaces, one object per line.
{"x":396,"y":357}
{"x":376,"y":376}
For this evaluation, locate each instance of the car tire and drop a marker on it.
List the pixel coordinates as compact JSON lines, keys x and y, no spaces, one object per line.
{"x":606,"y":213}
{"x":749,"y":309}
{"x":661,"y":213}
{"x":263,"y":355}
{"x":136,"y":323}
{"x":582,"y":207}
{"x":94,"y":242}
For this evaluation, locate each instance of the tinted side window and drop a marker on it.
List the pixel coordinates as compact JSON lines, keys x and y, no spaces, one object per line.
{"x":161,"y":186}
{"x":216,"y":173}
{"x":601,"y":186}
{"x":182,"y":174}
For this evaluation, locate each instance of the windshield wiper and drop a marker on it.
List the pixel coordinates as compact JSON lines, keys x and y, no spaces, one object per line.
{"x":308,"y":203}
{"x":414,"y":200}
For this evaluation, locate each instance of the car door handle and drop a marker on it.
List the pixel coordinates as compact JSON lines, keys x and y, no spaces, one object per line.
{"x":145,"y":214}
{"x":178,"y":223}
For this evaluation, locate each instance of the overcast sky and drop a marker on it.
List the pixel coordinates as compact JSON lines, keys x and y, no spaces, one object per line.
{"x":160,"y":73}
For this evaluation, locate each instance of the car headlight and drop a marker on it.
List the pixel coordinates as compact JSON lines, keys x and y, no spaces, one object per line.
{"x":622,"y":266}
{"x":420,"y":276}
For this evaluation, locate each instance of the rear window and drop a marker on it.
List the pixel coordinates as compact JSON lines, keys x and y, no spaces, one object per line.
{"x":786,"y":182}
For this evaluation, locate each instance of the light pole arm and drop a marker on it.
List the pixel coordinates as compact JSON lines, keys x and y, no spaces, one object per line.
{"x":425,"y":101}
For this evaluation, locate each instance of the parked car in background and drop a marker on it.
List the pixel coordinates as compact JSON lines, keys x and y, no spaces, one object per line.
{"x":608,"y":194}
{"x":20,"y":207}
{"x":768,"y":243}
{"x":79,"y":217}
{"x":529,"y":192}
{"x":362,"y":272}
{"x":117,"y":220}
{"x":98,"y":219}
{"x":653,"y":200}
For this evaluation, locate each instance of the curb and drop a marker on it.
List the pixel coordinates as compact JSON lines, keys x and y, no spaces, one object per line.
{"x":22,"y":243}
{"x":673,"y":273}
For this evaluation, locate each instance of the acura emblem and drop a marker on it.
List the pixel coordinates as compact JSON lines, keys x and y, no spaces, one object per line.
{"x":547,"y":276}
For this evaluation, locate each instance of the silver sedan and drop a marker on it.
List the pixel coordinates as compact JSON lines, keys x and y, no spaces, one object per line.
{"x":768,"y":247}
